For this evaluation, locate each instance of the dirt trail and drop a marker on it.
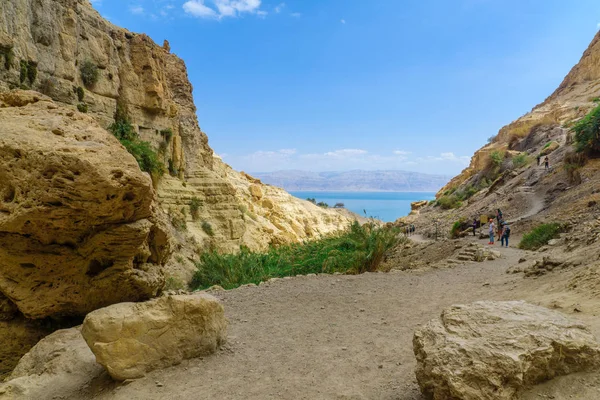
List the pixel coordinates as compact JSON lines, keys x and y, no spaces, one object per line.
{"x":325,"y":337}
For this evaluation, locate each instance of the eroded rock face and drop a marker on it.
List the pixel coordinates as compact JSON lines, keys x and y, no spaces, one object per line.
{"x":78,"y":225}
{"x":130,"y":339}
{"x":490,"y":350}
{"x":58,"y":362}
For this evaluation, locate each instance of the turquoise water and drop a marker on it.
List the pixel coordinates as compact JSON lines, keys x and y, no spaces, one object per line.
{"x":386,"y":206}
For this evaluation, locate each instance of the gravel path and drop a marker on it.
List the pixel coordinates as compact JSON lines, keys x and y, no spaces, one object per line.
{"x":325,"y":337}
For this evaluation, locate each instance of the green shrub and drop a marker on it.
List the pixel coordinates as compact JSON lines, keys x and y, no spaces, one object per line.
{"x":587,"y":133}
{"x":82,"y":107}
{"x":80,"y":93}
{"x":540,"y":236}
{"x":520,"y":160}
{"x":89,"y":73}
{"x":497,"y":157}
{"x":357,"y":250}
{"x":173,"y":283}
{"x":207,"y":228}
{"x":312,"y":200}
{"x":9,"y":57}
{"x":142,"y":151}
{"x":195,"y":205}
{"x":145,"y":156}
{"x":22,"y":71}
{"x":449,"y":202}
{"x":457,"y":228}
{"x":322,"y":204}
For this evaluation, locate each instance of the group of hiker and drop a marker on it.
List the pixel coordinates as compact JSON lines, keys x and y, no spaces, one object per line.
{"x":409,"y":230}
{"x":500,"y":229}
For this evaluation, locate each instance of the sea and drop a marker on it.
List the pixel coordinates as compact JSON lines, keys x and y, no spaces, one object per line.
{"x":385,"y":206}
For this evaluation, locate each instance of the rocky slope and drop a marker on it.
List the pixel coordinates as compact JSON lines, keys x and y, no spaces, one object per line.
{"x":573,"y":99}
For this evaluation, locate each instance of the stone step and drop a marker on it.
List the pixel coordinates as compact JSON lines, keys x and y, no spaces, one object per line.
{"x":465,"y":257}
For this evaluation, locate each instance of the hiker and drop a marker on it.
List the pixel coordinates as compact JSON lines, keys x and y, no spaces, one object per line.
{"x":474,"y":226}
{"x":539,"y":158}
{"x":499,"y":215}
{"x":505,"y":235}
{"x":492,"y":226}
{"x":547,"y":162}
{"x":413,"y":229}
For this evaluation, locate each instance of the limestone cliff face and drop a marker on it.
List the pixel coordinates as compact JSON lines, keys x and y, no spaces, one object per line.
{"x":573,"y":99}
{"x":57,"y":37}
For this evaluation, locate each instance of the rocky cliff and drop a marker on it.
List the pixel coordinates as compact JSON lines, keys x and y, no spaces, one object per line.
{"x":81,"y":226}
{"x":573,"y":99}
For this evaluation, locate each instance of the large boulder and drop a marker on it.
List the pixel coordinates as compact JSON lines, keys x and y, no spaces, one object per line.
{"x":61,"y":362}
{"x":130,"y":339}
{"x":490,"y":350}
{"x":79,"y":228}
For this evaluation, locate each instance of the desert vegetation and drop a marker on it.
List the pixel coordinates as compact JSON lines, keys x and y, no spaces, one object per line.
{"x":141,"y":150}
{"x":587,"y":133}
{"x":357,"y":250}
{"x":89,"y":73}
{"x":540,"y":236}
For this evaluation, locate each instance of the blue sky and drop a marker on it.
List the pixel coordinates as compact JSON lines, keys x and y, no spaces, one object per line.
{"x":380,"y":84}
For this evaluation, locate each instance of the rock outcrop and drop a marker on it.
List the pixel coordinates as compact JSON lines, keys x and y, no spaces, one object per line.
{"x":491,"y":350}
{"x":131,"y":339}
{"x":79,"y":227}
{"x":60,"y":362}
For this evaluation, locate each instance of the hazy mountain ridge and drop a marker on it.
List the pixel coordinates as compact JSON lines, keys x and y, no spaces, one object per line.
{"x":354,"y":181}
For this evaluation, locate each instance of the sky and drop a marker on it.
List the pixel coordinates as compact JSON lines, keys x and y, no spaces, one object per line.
{"x":331,"y":85}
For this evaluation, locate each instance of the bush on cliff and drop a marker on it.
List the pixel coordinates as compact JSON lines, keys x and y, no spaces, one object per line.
{"x":357,"y":250}
{"x":89,"y":74}
{"x":142,"y":151}
{"x":587,"y":133}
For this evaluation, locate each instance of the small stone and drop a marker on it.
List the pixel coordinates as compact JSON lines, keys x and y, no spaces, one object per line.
{"x":380,"y":366}
{"x":159,"y":384}
{"x":344,"y":348}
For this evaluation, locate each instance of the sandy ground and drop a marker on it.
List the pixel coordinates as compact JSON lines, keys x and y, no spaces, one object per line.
{"x":339,"y":337}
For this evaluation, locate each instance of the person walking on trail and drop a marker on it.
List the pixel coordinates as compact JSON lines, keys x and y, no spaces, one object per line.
{"x":474,"y":226}
{"x":505,"y":235}
{"x":499,"y":216}
{"x":492,"y":226}
{"x":546,"y":163}
{"x":539,"y":158}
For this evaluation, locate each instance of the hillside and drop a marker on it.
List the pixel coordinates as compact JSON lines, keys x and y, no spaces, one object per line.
{"x":354,"y":181}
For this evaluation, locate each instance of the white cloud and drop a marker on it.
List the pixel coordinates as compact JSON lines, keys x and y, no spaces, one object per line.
{"x":402,"y":152}
{"x":223,"y":8}
{"x":279,"y":8}
{"x":346,"y":153}
{"x":198,"y":9}
{"x":296,"y":14}
{"x":136,"y":9}
{"x":343,"y":21}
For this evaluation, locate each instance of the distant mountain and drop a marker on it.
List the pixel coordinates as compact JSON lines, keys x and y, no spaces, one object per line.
{"x":354,"y":181}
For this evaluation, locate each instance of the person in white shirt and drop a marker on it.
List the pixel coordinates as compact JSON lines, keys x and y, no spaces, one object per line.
{"x":491,"y":231}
